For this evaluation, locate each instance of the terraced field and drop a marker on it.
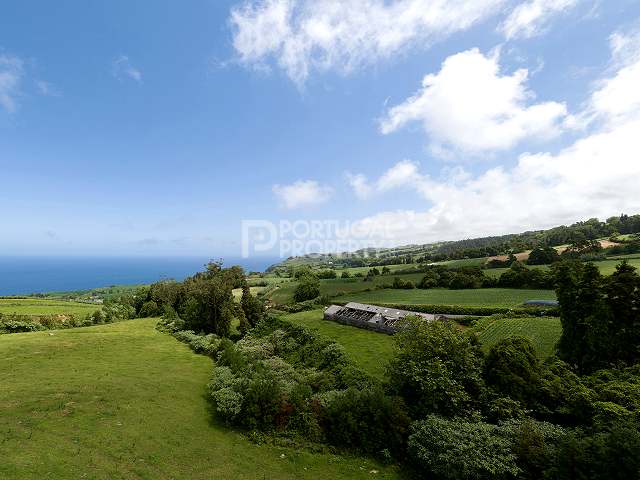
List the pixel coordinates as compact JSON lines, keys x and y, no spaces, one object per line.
{"x":544,"y":332}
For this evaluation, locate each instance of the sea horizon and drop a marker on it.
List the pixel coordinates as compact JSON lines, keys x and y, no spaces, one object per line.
{"x":26,"y":275}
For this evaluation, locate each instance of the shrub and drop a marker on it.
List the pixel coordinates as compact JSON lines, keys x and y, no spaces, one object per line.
{"x":438,"y":368}
{"x":458,"y":449}
{"x":308,"y":288}
{"x":366,"y":421}
{"x":149,"y":309}
{"x":611,"y":454}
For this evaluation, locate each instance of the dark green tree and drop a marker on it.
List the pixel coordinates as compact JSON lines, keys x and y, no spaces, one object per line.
{"x":308,"y":288}
{"x":437,"y":369}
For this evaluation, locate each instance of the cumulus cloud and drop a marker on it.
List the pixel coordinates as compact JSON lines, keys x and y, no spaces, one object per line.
{"x":469,"y":105}
{"x":303,"y":193}
{"x":301,"y":36}
{"x":532,"y":18}
{"x":122,"y":69}
{"x":11,"y":76}
{"x":595,"y":176}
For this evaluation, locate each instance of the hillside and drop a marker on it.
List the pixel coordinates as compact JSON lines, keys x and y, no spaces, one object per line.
{"x":623,"y":228}
{"x":123,"y":401}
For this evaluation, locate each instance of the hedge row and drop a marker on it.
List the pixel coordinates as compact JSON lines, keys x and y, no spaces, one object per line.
{"x":465,"y":310}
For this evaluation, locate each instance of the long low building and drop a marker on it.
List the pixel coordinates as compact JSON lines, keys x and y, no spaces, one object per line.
{"x":373,"y":317}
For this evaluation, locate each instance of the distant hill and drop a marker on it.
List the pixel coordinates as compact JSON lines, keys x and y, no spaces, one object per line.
{"x":620,"y":227}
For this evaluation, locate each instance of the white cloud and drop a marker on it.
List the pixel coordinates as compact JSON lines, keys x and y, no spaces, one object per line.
{"x":303,"y":193}
{"x":618,"y":98}
{"x":306,"y":35}
{"x":11,"y":75}
{"x":470,"y":106}
{"x":596,"y":176}
{"x":122,"y":69}
{"x":531,"y":18}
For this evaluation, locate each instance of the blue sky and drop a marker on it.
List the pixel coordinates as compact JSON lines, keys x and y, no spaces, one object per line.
{"x":155,"y":128}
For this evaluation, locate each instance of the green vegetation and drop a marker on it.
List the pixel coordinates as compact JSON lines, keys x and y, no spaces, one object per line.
{"x":369,"y":350}
{"x":543,"y":332}
{"x":486,"y":297}
{"x":285,"y":293}
{"x":36,"y":306}
{"x":126,"y":401}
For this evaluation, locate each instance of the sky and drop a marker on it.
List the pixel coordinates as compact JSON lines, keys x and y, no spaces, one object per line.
{"x":157,"y":128}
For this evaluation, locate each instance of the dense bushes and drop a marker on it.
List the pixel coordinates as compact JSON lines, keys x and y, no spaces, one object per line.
{"x":437,"y":369}
{"x":287,"y":378}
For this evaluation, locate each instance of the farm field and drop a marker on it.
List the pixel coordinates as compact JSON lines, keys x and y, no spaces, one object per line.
{"x":370,"y":350}
{"x":544,"y":332}
{"x":482,"y":297}
{"x":284,"y":293}
{"x":607,"y":267}
{"x":237,"y":292}
{"x":37,"y":306}
{"x":123,"y":401}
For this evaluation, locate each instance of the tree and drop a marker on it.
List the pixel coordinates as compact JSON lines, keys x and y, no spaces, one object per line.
{"x":622,"y":291}
{"x":386,"y":270}
{"x":207,"y":304}
{"x":543,"y":256}
{"x":438,"y":368}
{"x":308,"y":288}
{"x":458,"y":449}
{"x":512,"y":368}
{"x":430,"y":279}
{"x":252,"y":307}
{"x":345,"y":274}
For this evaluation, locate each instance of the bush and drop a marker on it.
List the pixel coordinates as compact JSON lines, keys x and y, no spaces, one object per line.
{"x":513,"y":369}
{"x":308,"y":288}
{"x":459,"y":449}
{"x":438,"y":369}
{"x":149,"y":309}
{"x":610,"y":454}
{"x":367,"y":421}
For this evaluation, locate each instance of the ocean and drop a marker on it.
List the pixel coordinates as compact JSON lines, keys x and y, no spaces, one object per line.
{"x":25,"y":275}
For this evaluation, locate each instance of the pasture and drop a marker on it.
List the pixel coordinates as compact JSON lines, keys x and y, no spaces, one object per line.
{"x":370,"y":350}
{"x":37,"y":306}
{"x":124,"y":401}
{"x":544,"y":332}
{"x":339,"y":286}
{"x":482,"y":297}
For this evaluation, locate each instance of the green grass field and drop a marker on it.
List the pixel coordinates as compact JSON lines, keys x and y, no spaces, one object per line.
{"x":482,"y":297}
{"x":284,"y":293}
{"x":370,"y":350}
{"x":123,"y":401}
{"x":544,"y":332}
{"x":36,"y":306}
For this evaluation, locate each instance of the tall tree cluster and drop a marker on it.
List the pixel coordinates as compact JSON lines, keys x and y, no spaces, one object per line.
{"x":600,"y":316}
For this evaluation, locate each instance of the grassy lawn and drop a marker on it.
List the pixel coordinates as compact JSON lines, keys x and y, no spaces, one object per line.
{"x":544,"y":332}
{"x":482,"y":297}
{"x":123,"y":401}
{"x":36,"y":306}
{"x":370,"y":350}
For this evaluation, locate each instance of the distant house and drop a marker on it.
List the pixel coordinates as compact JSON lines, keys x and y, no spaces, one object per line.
{"x":373,"y":317}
